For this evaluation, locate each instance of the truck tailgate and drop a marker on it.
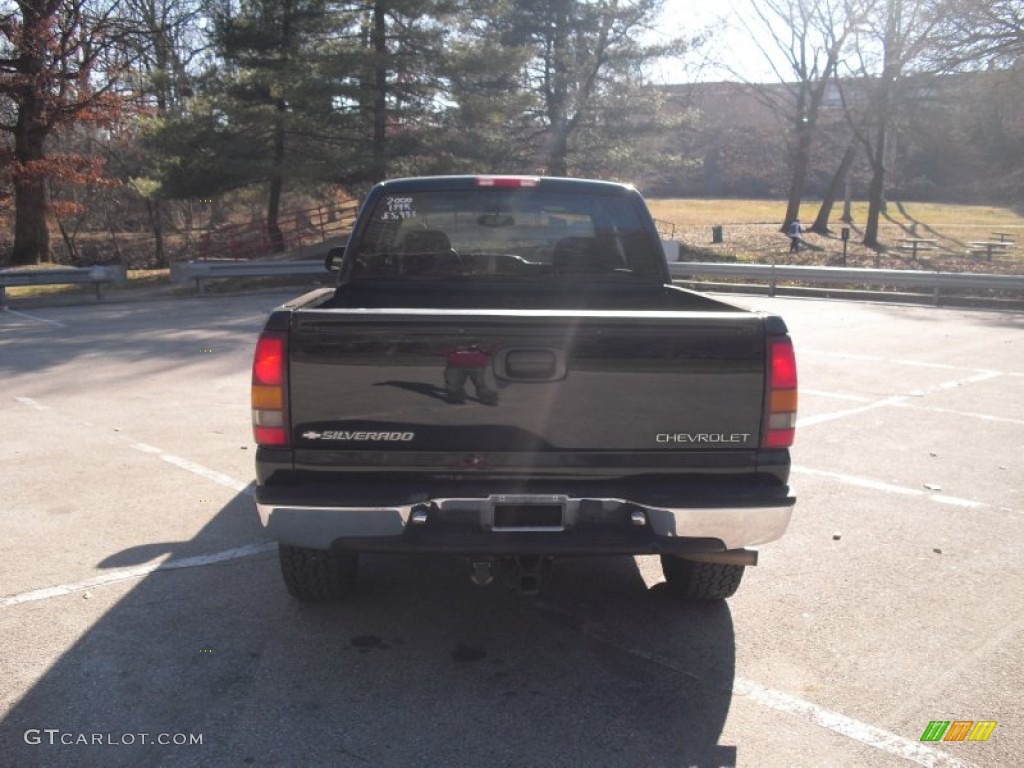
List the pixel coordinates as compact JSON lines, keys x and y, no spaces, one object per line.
{"x":553,"y":383}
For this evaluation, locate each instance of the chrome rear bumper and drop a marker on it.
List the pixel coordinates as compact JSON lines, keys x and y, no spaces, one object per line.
{"x":479,"y":524}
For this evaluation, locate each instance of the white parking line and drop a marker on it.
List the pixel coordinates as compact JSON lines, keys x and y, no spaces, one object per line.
{"x":821,"y":418}
{"x":849,"y":397}
{"x":35,"y":318}
{"x":900,"y":361}
{"x":884,"y":487}
{"x":836,"y":395}
{"x":196,"y":469}
{"x":966,"y":414}
{"x":122,"y":574}
{"x":842,"y":355}
{"x":880,"y":739}
{"x":975,"y":379}
{"x":32,"y":403}
{"x":189,"y":466}
{"x":780,"y":701}
{"x":896,"y":400}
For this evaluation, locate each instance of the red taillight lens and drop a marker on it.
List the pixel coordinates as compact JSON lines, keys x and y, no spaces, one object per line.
{"x":269,"y":395}
{"x":271,"y":436}
{"x":268,"y":363}
{"x":783,"y":365}
{"x":507,"y":182}
{"x":781,"y":395}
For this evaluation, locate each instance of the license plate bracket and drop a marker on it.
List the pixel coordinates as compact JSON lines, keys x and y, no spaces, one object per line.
{"x":528,"y":516}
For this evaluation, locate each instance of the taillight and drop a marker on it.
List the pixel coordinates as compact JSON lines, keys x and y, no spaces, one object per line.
{"x":507,"y":182}
{"x":269,"y":395}
{"x":780,"y":395}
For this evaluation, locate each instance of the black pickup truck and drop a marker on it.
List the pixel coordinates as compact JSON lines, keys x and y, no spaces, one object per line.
{"x":504,"y":372}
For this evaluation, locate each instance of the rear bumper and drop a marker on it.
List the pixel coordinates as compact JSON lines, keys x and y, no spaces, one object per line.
{"x":573,"y":524}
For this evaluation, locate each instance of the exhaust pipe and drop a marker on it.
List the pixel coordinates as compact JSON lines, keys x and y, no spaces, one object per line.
{"x":726,"y":557}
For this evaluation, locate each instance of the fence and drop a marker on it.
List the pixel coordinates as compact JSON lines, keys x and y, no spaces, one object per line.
{"x":298,"y":229}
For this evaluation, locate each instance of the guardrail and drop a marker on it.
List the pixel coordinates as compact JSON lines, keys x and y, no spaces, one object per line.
{"x":98,"y":276}
{"x":773,"y":274}
{"x":183,"y":271}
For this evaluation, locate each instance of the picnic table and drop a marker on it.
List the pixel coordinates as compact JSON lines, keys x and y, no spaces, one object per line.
{"x":1004,"y":237}
{"x":988,"y":247}
{"x":915,"y":244}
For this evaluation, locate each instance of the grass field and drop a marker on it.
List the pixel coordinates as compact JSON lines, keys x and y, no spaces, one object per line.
{"x":751,"y":229}
{"x":723,"y":211}
{"x":751,"y":234}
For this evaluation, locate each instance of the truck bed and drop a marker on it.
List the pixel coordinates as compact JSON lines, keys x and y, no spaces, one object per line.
{"x":553,"y":383}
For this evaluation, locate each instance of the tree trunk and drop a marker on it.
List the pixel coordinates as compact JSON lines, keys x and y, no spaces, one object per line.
{"x":557,"y":88}
{"x":380,"y":92}
{"x":838,"y":180}
{"x":277,"y":244}
{"x":558,"y":162}
{"x":891,"y":71}
{"x":31,"y":233}
{"x":876,"y":189}
{"x":801,"y":159}
{"x":69,"y":243}
{"x":31,"y":206}
{"x":155,"y":211}
{"x":113,"y":233}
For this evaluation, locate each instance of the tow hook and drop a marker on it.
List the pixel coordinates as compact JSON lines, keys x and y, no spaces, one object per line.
{"x":481,"y":571}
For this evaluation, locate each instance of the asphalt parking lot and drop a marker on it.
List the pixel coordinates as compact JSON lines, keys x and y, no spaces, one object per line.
{"x":143,"y":621}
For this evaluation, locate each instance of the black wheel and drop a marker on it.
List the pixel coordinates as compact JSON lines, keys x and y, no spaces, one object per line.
{"x":691,"y":580}
{"x":317,"y":575}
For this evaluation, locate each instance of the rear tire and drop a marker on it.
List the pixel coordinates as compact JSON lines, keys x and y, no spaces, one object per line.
{"x":317,"y":575}
{"x":690,"y":580}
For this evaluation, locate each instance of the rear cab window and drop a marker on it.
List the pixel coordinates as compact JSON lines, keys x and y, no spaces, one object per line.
{"x":528,"y":232}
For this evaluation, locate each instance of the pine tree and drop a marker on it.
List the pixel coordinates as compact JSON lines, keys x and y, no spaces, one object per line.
{"x":578,"y":66}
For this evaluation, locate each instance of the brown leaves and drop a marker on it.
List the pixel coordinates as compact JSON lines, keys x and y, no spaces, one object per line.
{"x":59,"y":169}
{"x":61,"y":63}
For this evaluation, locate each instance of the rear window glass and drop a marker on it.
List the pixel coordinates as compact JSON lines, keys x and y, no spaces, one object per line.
{"x":502,"y":232}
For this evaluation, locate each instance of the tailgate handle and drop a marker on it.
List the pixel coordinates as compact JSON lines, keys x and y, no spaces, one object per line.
{"x":529,"y":364}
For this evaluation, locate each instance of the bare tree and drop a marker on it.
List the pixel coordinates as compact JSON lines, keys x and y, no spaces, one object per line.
{"x":836,"y":183}
{"x":897,"y":36}
{"x":804,"y":41}
{"x":979,"y":33}
{"x":165,"y":42}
